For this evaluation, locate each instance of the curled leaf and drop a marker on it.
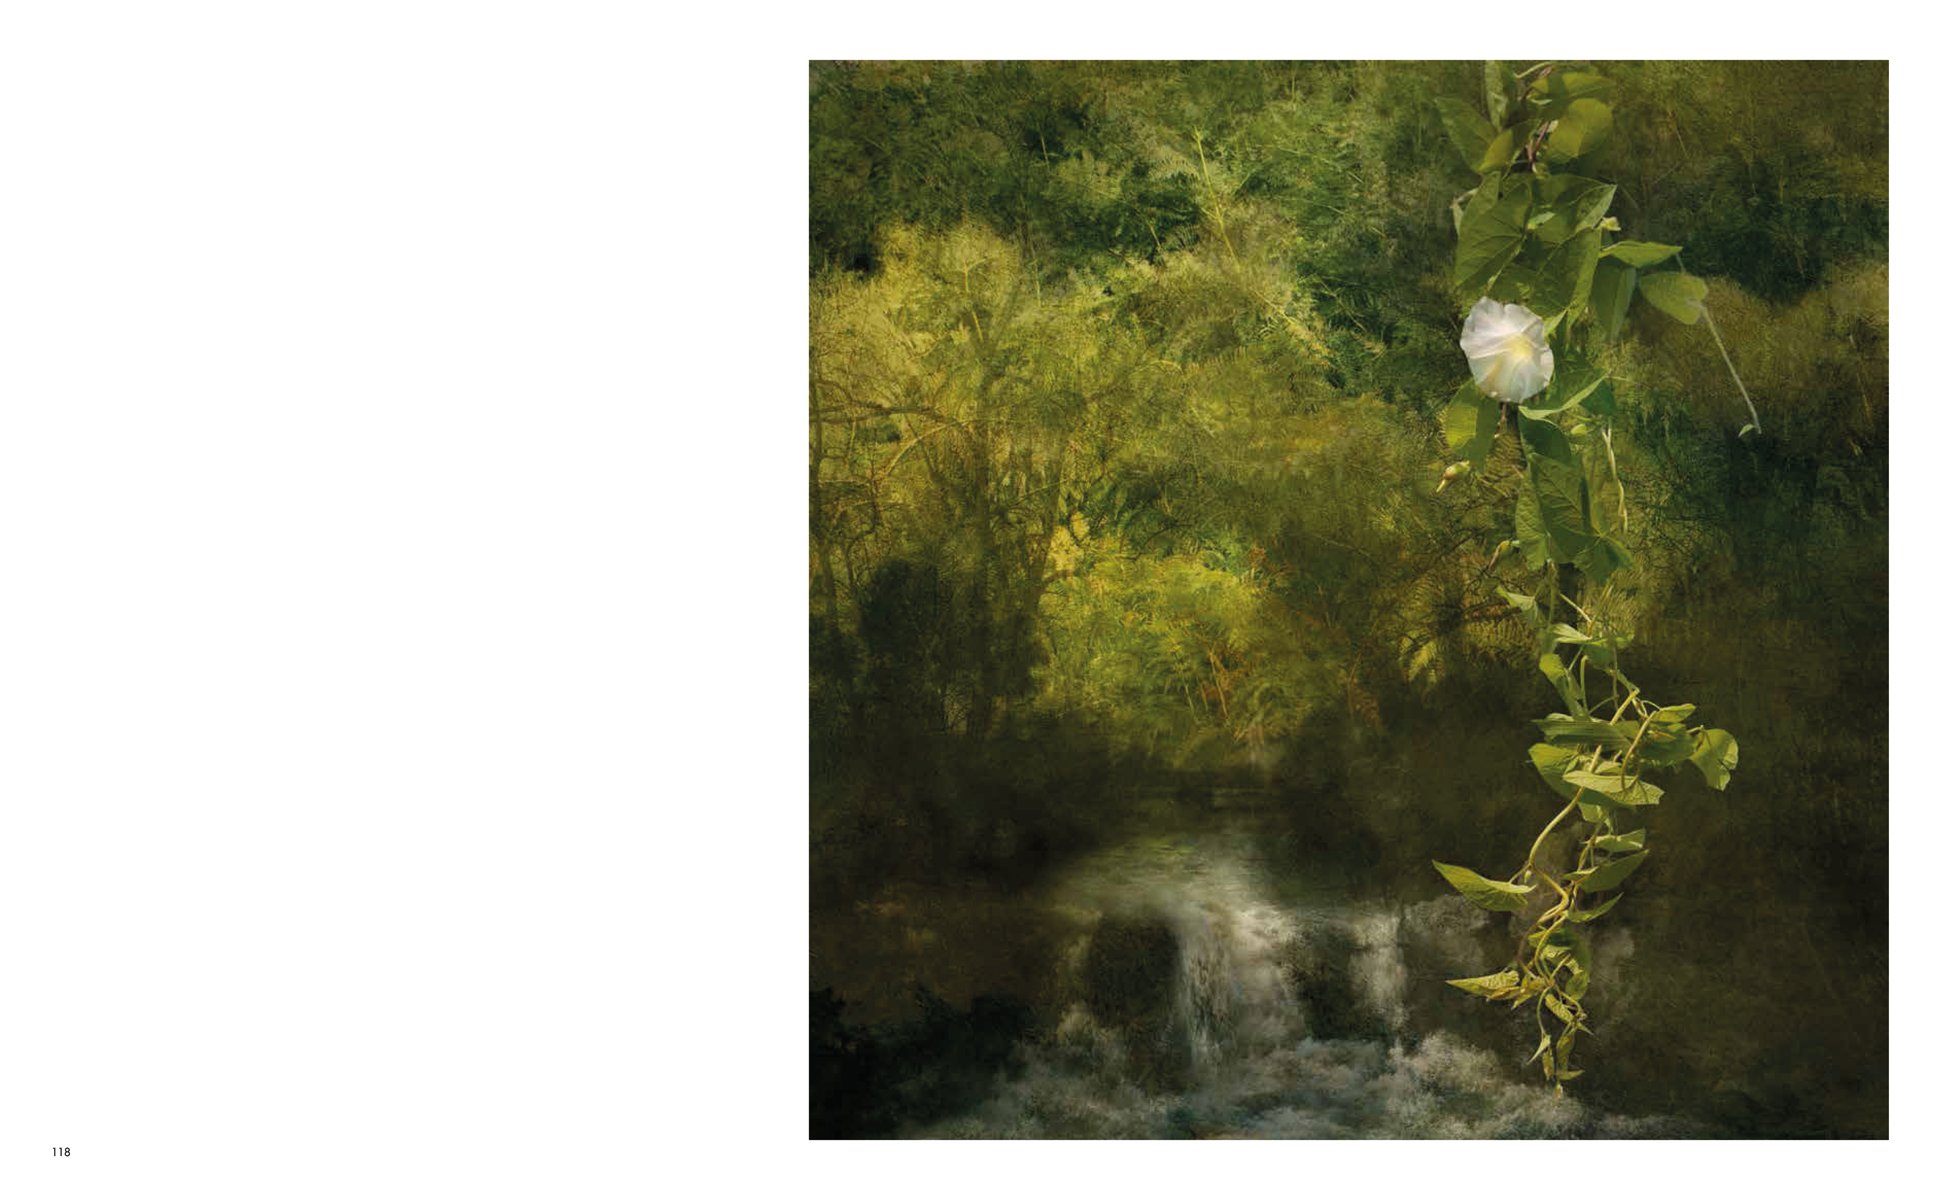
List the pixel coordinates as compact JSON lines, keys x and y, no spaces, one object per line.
{"x":1621,"y":843}
{"x":1674,"y":293}
{"x":1488,"y":985}
{"x":1611,"y":874}
{"x":1716,"y":756}
{"x":1591,"y":914}
{"x":1491,"y":894}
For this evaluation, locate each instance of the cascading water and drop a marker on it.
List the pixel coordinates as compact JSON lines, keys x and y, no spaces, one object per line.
{"x":1200,"y":997}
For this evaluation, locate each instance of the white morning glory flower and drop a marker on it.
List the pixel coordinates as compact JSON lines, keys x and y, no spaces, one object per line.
{"x":1507,"y":351}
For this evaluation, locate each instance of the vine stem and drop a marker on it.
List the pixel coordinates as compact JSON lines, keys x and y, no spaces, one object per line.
{"x":1720,"y":342}
{"x":1623,"y":512}
{"x":1707,"y":314}
{"x":1554,"y":822}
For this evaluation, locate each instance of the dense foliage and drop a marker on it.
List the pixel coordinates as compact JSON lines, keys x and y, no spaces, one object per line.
{"x":1131,"y":390}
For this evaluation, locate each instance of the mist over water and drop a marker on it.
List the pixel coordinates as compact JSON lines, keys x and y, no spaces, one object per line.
{"x":1200,"y":991}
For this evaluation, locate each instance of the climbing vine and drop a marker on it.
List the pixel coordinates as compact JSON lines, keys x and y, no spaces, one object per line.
{"x":1554,"y":279}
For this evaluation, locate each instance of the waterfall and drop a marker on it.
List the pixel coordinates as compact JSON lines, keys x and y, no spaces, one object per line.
{"x":1198,"y":998}
{"x":1247,"y":971}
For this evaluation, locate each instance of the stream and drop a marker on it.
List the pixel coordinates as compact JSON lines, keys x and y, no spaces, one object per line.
{"x":1196,"y":989}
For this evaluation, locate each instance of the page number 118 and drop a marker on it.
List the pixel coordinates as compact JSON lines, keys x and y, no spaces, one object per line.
{"x":60,"y":1151}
